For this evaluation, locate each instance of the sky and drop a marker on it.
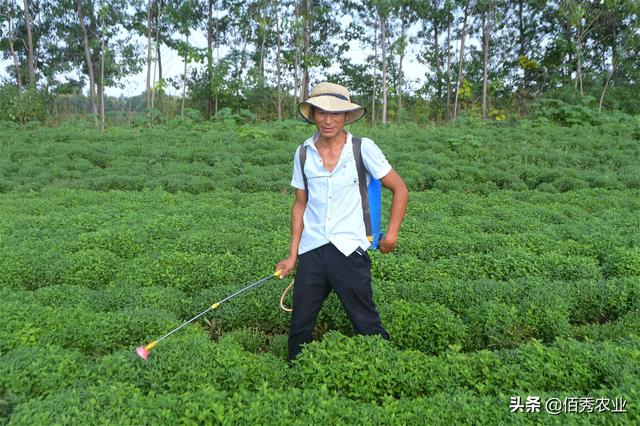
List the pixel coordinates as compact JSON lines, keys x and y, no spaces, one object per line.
{"x":173,"y":65}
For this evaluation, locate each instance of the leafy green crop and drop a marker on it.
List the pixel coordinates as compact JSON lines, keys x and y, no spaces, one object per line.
{"x":517,"y":273}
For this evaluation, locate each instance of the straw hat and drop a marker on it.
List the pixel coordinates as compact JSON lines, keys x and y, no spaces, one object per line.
{"x":332,"y":98}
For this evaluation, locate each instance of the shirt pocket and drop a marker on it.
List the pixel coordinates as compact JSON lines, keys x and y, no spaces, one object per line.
{"x":347,"y":175}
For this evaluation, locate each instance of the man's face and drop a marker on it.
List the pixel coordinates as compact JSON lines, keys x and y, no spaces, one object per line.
{"x":329,"y":124}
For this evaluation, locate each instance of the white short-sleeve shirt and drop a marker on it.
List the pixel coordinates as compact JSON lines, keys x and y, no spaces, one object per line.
{"x":334,"y":208}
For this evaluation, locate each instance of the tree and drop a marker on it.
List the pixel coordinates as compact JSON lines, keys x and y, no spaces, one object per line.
{"x":616,"y":35}
{"x":467,"y":11}
{"x":366,"y":30}
{"x":278,"y":58}
{"x":435,"y":16}
{"x":80,"y":31}
{"x":148,"y":91}
{"x":9,"y":10}
{"x":88,"y":59}
{"x":518,"y":49}
{"x":400,"y":47}
{"x":383,"y":14}
{"x":580,"y":21}
{"x":30,"y":63}
{"x":488,"y":18}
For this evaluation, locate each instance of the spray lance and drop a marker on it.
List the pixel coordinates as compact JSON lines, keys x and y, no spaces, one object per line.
{"x":143,"y":351}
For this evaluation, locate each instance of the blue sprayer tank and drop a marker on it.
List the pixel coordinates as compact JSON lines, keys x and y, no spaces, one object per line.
{"x":375,"y":208}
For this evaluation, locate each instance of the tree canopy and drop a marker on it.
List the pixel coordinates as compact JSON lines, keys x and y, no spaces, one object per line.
{"x":490,"y":58}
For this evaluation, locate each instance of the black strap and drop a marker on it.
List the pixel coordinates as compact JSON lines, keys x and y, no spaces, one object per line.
{"x":362,"y":181}
{"x":303,"y":159}
{"x":336,"y":95}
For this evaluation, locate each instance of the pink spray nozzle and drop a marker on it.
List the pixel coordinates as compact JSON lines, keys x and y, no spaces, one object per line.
{"x":142,"y":352}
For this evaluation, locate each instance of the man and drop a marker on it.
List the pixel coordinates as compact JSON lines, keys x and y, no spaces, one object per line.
{"x":328,"y":238}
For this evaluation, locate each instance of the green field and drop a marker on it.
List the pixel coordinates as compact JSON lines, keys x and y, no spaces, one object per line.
{"x":517,"y":274}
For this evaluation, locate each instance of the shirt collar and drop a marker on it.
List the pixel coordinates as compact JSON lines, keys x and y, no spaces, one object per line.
{"x":312,"y":141}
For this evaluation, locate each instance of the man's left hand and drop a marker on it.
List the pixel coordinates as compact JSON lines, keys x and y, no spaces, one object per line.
{"x":388,"y":244}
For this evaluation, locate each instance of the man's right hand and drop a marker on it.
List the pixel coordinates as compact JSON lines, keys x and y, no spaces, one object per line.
{"x":286,"y":266}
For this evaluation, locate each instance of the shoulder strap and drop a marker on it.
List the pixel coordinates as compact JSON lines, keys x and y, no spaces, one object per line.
{"x":303,"y":158}
{"x":362,"y":182}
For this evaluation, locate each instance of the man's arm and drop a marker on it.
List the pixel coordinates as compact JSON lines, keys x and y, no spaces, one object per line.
{"x":297,"y":212}
{"x":394,"y":182}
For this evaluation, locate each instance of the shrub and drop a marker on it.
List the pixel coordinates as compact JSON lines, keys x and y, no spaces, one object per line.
{"x":92,"y":268}
{"x":622,"y":262}
{"x":23,"y":107}
{"x":428,"y":328}
{"x":40,"y":370}
{"x":278,"y":346}
{"x":185,"y":361}
{"x":496,"y":325}
{"x":250,"y":339}
{"x":114,"y":403}
{"x":567,"y":115}
{"x":364,"y":368}
{"x":599,"y":301}
{"x":546,"y":314}
{"x":618,"y":330}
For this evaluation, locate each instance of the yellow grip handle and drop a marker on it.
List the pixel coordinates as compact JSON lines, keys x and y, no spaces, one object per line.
{"x":277,"y":273}
{"x":150,"y":346}
{"x":215,"y":306}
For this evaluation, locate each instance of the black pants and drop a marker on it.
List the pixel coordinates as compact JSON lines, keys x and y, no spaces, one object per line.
{"x":322,"y":270}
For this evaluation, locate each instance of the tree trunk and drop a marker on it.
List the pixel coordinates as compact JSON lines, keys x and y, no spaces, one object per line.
{"x":102,"y":51}
{"x":522,"y":49}
{"x":461,"y":60}
{"x":157,"y":66}
{"x":30,"y":64}
{"x":567,"y":34}
{"x":436,"y":51}
{"x":262,"y":58}
{"x":240,"y":66}
{"x":209,"y":57}
{"x":217,"y":60}
{"x":149,"y":53}
{"x":305,"y":53}
{"x":261,"y":83}
{"x":486,"y":29}
{"x":16,"y":64}
{"x":383,"y":41}
{"x":606,"y":86}
{"x":278,"y":68}
{"x":184,"y":76}
{"x":296,"y":60}
{"x":614,"y":53}
{"x":375,"y":67}
{"x":87,"y":57}
{"x":400,"y":75}
{"x":449,"y":70}
{"x":579,"y":64}
{"x":158,"y":56}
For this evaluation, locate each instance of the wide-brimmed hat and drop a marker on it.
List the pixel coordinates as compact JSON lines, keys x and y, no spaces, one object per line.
{"x":331,"y":97}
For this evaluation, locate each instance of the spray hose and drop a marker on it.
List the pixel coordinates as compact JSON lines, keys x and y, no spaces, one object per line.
{"x":284,"y":294}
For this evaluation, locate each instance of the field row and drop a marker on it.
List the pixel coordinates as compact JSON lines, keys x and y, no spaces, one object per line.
{"x":259,"y":157}
{"x":487,"y":272}
{"x":192,"y":378}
